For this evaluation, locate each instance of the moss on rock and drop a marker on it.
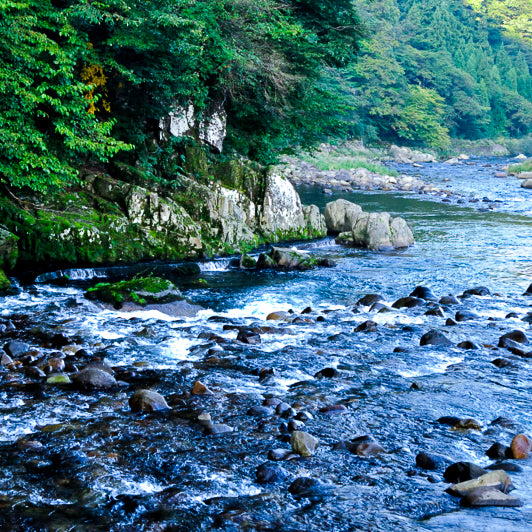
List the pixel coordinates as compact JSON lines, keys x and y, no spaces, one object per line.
{"x":5,"y":284}
{"x":142,"y":291}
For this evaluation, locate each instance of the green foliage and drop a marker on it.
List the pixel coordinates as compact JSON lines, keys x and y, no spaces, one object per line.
{"x":45,"y":129}
{"x":525,"y":166}
{"x":434,"y":68}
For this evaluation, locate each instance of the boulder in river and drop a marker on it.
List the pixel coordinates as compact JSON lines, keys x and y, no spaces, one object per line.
{"x":520,"y":447}
{"x":462,"y":471}
{"x":303,"y":443}
{"x":147,"y":401}
{"x":289,"y":259}
{"x":424,"y":292}
{"x":150,"y":293}
{"x":518,"y":336}
{"x":269,"y":473}
{"x":376,"y":231}
{"x":489,"y":497}
{"x":93,"y":378}
{"x":495,"y":479}
{"x":431,"y":461}
{"x":434,"y":338}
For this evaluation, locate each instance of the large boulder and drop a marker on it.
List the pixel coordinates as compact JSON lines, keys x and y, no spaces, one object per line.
{"x":527,"y":183}
{"x":340,"y":215}
{"x":376,"y":230}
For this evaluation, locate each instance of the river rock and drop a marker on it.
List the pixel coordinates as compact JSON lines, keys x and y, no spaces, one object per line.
{"x":449,"y":300}
{"x":310,"y":488}
{"x":467,"y":424}
{"x":462,"y":471}
{"x":303,"y":443}
{"x":367,"y":326}
{"x":498,"y":451}
{"x":489,"y":497}
{"x":218,"y":429}
{"x":434,"y":338}
{"x":520,"y":447}
{"x":333,"y":410}
{"x":200,"y":389}
{"x":247,"y":336}
{"x":340,"y":215}
{"x":147,"y":401}
{"x":408,"y":302}
{"x":278,"y":455}
{"x":498,"y":480}
{"x":526,"y":183}
{"x":269,"y":473}
{"x":477,"y":291}
{"x":261,"y":411}
{"x":466,"y":315}
{"x":369,"y":299}
{"x":16,"y":349}
{"x":513,"y":336}
{"x":424,"y":293}
{"x":468,"y":344}
{"x":94,"y":378}
{"x":431,"y":461}
{"x":528,"y":291}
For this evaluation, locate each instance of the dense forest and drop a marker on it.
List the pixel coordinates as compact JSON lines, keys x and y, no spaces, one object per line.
{"x":84,"y":82}
{"x":439,"y":68}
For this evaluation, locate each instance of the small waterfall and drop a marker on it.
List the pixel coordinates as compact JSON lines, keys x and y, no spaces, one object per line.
{"x":220,"y":265}
{"x":72,"y":274}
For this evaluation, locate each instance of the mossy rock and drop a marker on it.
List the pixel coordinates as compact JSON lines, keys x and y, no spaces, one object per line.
{"x":5,"y":284}
{"x":247,"y":262}
{"x":143,"y":291}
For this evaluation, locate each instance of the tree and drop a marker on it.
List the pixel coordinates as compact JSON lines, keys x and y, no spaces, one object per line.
{"x":45,"y":129}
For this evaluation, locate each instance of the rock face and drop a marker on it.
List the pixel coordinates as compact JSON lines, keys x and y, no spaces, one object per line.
{"x":111,"y":220}
{"x":211,"y":129}
{"x":376,"y":231}
{"x":8,"y":249}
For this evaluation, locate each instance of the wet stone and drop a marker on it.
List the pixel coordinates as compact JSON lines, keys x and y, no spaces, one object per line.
{"x":431,"y":461}
{"x":367,"y":326}
{"x":520,"y":447}
{"x":261,"y":411}
{"x":434,"y":338}
{"x":369,"y":299}
{"x":513,"y":336}
{"x":449,"y":301}
{"x":477,"y":291}
{"x":248,"y":337}
{"x":295,"y":424}
{"x":303,"y":443}
{"x":269,"y":473}
{"x":408,"y":302}
{"x":147,"y":401}
{"x":59,"y":378}
{"x":489,"y":497}
{"x":436,"y":311}
{"x":468,"y":344}
{"x":94,"y":378}
{"x":450,"y":322}
{"x":326,"y":373}
{"x":218,"y":429}
{"x":505,"y":466}
{"x":333,"y":410}
{"x":498,"y":451}
{"x":466,"y":315}
{"x":277,"y":455}
{"x":310,"y":488}
{"x":462,"y":471}
{"x":498,"y":480}
{"x":200,"y":389}
{"x":16,"y":349}
{"x":424,"y":292}
{"x":503,"y":363}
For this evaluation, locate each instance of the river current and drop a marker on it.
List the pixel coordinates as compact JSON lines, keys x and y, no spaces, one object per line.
{"x":93,"y":465}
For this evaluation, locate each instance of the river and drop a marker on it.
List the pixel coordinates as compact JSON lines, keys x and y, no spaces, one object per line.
{"x":83,"y":461}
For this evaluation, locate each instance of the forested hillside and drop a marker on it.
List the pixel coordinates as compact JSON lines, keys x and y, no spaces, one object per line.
{"x":439,"y":68}
{"x":85,"y":82}
{"x":70,"y":70}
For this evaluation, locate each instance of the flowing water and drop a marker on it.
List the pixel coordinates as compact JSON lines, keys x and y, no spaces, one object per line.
{"x":83,"y":461}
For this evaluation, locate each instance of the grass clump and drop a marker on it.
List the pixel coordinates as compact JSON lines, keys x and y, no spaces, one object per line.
{"x":525,"y":166}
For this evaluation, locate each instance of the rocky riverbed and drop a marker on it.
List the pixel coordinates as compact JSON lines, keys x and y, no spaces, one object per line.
{"x":340,"y":398}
